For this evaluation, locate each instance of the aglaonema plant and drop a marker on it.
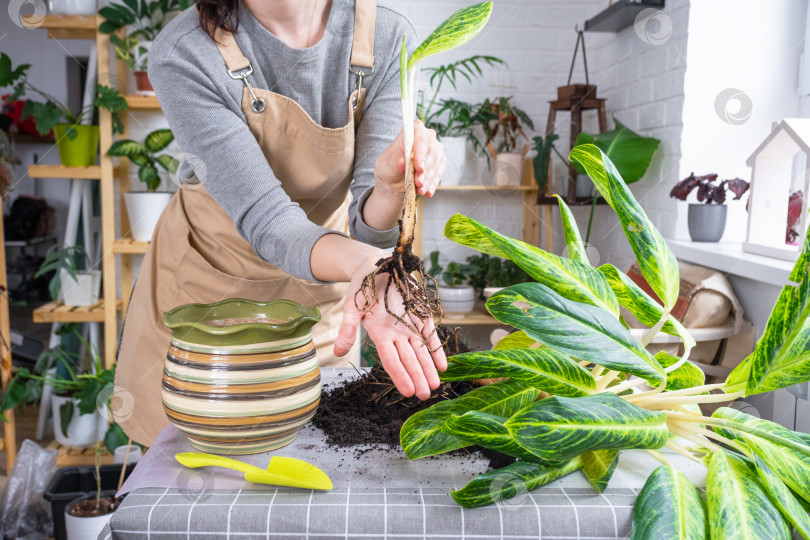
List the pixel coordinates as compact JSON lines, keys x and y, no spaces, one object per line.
{"x":580,"y":389}
{"x":405,"y":270}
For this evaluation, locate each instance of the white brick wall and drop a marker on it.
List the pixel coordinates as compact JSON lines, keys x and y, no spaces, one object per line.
{"x":643,"y":84}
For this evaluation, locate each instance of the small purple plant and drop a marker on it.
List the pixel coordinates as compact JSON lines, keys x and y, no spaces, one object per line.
{"x":709,"y":190}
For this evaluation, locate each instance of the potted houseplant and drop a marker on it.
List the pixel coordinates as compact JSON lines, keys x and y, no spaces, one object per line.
{"x":77,"y":142}
{"x":77,"y":287}
{"x":144,"y":208}
{"x":707,"y":221}
{"x":590,"y":409}
{"x":453,"y":120}
{"x":456,"y":297}
{"x":503,"y":126}
{"x":147,"y":19}
{"x":86,"y":516}
{"x":80,"y":421}
{"x":73,"y":7}
{"x":7,"y":161}
{"x":488,"y":275}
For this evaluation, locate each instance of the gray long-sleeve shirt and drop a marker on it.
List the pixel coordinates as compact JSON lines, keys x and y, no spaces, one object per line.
{"x":203,"y":106}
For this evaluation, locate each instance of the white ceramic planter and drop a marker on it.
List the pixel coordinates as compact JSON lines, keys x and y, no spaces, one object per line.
{"x":507,"y":169}
{"x":83,"y":528}
{"x":584,"y":187}
{"x":489,"y":291}
{"x":84,"y":430}
{"x":455,"y":148}
{"x":74,"y":7}
{"x":82,"y":291}
{"x":457,"y":301}
{"x":144,"y":210}
{"x":120,"y":454}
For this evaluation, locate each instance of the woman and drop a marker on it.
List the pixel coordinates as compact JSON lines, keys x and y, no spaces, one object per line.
{"x":291,"y":112}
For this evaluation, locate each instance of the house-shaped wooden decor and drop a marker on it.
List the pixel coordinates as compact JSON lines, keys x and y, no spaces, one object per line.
{"x":777,"y":204}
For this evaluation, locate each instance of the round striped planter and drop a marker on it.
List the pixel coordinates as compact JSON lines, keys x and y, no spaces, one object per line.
{"x":235,"y":386}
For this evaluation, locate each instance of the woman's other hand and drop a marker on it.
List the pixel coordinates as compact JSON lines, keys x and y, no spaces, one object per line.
{"x":428,"y":159}
{"x":407,"y":358}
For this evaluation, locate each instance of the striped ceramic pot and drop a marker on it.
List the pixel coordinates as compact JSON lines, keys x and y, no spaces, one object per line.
{"x":241,"y":377}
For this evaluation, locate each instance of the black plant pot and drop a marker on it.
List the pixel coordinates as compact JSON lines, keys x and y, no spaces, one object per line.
{"x":707,"y":222}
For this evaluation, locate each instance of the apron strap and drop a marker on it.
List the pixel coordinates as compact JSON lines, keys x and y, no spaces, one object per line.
{"x":365,"y":16}
{"x":230,"y":51}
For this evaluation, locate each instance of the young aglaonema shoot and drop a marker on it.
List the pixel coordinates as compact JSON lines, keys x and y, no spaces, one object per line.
{"x":405,"y":270}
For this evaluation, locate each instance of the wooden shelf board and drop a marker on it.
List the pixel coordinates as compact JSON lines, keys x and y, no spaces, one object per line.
{"x":70,"y":457}
{"x":587,"y":201}
{"x":128,"y":245}
{"x":60,"y":171}
{"x":486,"y":188}
{"x":25,"y":138}
{"x":139,"y":102}
{"x":59,"y":312}
{"x":64,"y":26}
{"x":478,"y":316}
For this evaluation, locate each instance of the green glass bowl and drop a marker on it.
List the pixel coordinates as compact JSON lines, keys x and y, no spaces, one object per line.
{"x":191,"y":322}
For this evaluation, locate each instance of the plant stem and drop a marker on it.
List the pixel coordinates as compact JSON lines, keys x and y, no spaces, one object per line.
{"x":408,"y":220}
{"x":678,"y":449}
{"x":590,"y":217}
{"x":627,"y":385}
{"x":605,"y":380}
{"x":676,"y":429}
{"x":659,"y":457}
{"x":665,"y":402}
{"x":650,"y":334}
{"x":597,"y":371}
{"x":693,"y":390}
{"x":725,"y":440}
{"x":743,"y":428}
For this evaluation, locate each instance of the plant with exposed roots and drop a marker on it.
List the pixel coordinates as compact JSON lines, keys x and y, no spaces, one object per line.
{"x":406,"y":270}
{"x":581,"y":389}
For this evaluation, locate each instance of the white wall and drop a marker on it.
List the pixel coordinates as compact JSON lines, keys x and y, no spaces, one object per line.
{"x":751,"y":46}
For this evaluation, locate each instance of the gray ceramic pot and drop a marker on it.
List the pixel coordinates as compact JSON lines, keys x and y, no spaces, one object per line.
{"x":707,"y":222}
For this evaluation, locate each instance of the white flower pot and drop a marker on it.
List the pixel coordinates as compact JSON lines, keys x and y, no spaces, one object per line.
{"x":455,"y":148}
{"x":489,"y":291}
{"x":144,"y":210}
{"x":82,"y":291}
{"x":84,"y":528}
{"x":507,"y":169}
{"x":457,"y":301}
{"x":74,"y":7}
{"x":120,"y":454}
{"x":84,"y":430}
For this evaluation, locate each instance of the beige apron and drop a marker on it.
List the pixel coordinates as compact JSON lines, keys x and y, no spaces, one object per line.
{"x":197,"y":255}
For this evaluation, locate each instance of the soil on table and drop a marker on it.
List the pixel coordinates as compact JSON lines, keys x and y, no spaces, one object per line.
{"x":89,"y":508}
{"x":369,"y":410}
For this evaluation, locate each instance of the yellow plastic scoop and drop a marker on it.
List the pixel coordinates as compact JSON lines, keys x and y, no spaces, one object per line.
{"x":282,"y":471}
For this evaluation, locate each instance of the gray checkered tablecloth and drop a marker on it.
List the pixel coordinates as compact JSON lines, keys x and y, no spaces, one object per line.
{"x":378,"y":493}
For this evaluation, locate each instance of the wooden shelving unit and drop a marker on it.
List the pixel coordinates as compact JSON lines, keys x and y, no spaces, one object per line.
{"x":64,"y":26}
{"x":70,"y":457}
{"x":478,"y":316}
{"x":58,"y":312}
{"x":60,"y":171}
{"x":128,"y":245}
{"x":138,"y":102}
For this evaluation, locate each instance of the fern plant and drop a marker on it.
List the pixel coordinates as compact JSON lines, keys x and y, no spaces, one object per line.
{"x":145,"y":156}
{"x":607,"y":393}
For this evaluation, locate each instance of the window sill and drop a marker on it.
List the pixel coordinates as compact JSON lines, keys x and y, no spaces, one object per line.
{"x":731,"y":259}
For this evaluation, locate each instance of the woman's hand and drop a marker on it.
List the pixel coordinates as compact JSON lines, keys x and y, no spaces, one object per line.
{"x":428,"y":159}
{"x":406,"y":358}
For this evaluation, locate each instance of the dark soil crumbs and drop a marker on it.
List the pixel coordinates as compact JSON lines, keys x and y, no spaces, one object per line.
{"x":370,"y":410}
{"x":89,"y":508}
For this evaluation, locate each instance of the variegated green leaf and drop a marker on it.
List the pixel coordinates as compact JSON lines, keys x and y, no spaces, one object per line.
{"x":421,"y":435}
{"x":457,"y":30}
{"x":598,"y":466}
{"x":514,"y":479}
{"x":544,"y":369}
{"x":658,"y":264}
{"x":579,"y":330}
{"x":789,"y":464}
{"x":573,"y":240}
{"x":569,"y":278}
{"x":487,"y":430}
{"x":668,"y":508}
{"x":516,"y":340}
{"x":642,"y":305}
{"x":158,"y":140}
{"x":738,"y":507}
{"x":782,"y":355}
{"x":782,"y":497}
{"x":686,"y":376}
{"x":558,"y":428}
